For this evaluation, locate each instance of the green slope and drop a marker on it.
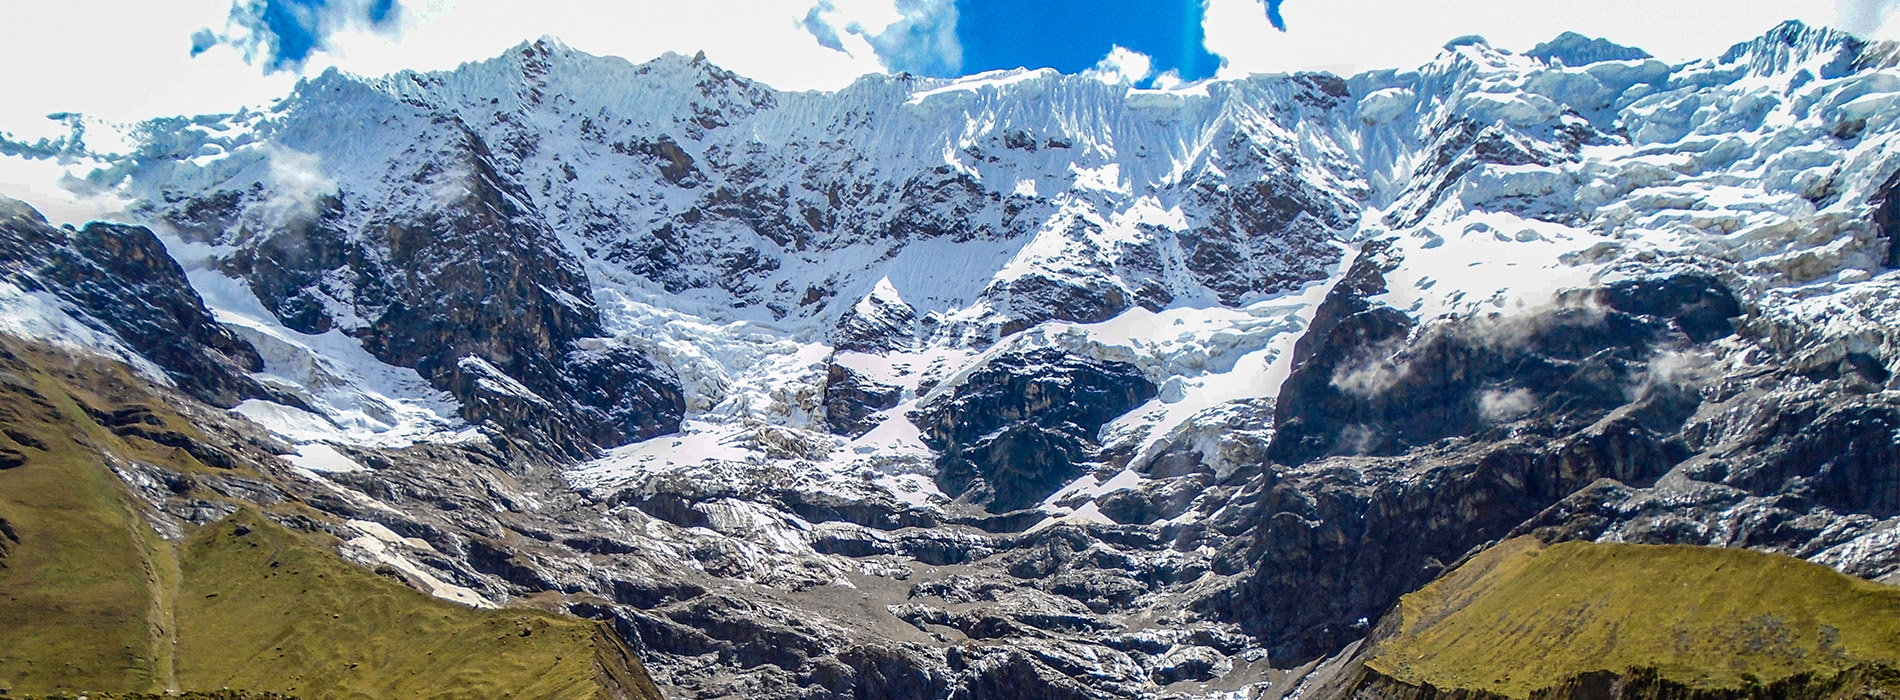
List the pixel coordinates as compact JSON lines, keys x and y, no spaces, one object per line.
{"x":1521,"y":617}
{"x":266,"y":609}
{"x":83,"y":589}
{"x":91,"y":599}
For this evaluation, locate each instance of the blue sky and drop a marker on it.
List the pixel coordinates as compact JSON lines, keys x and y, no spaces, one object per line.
{"x":943,"y":38}
{"x":1073,"y":36}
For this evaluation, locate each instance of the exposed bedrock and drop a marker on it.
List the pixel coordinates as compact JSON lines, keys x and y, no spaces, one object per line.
{"x":1887,"y":217}
{"x":1400,"y":449}
{"x":1021,"y":426}
{"x":121,"y":280}
{"x":1367,"y":382}
{"x":852,"y":400}
{"x":475,"y":293}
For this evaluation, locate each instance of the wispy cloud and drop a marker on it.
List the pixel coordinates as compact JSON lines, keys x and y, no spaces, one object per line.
{"x":917,"y":36}
{"x":1123,"y":66}
{"x":283,"y":34}
{"x":1866,"y":17}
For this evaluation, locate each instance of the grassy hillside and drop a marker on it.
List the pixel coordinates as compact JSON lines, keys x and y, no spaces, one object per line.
{"x":83,"y":582}
{"x":92,"y":599}
{"x":266,"y":609}
{"x":1522,"y":617}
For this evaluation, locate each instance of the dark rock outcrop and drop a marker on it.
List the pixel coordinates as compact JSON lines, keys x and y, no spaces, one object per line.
{"x":1018,"y":428}
{"x":1868,"y":681}
{"x":1269,"y":235}
{"x":475,"y":293}
{"x":876,"y":324}
{"x":1362,"y":384}
{"x":1886,"y":203}
{"x":1401,"y":449}
{"x":1575,"y":49}
{"x":121,"y":280}
{"x":851,"y":399}
{"x":1339,"y":540}
{"x":9,"y":538}
{"x":1345,"y":328}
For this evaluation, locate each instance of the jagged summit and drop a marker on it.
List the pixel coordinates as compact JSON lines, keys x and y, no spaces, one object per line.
{"x":1574,"y":49}
{"x":1793,"y":45}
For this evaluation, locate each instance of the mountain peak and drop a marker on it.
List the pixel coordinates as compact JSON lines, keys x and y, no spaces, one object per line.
{"x":1792,"y":44}
{"x":1573,"y":49}
{"x":1468,"y":40}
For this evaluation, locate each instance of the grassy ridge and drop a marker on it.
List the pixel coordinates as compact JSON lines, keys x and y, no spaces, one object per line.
{"x":1520,"y":617}
{"x":187,"y":695}
{"x":266,"y":609}
{"x":83,"y":591}
{"x":93,"y":601}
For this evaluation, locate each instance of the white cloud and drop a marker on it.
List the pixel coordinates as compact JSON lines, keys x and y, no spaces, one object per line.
{"x":1122,"y":66}
{"x":919,"y":36}
{"x":1347,"y":36}
{"x":1869,"y":18}
{"x":1496,"y":406}
{"x":120,"y":61}
{"x":46,"y":186}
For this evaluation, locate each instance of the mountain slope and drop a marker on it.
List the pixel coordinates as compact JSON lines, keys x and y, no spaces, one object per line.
{"x":264,"y":609}
{"x":102,"y":593}
{"x":85,"y":585}
{"x":1521,"y":616}
{"x":1528,"y":620}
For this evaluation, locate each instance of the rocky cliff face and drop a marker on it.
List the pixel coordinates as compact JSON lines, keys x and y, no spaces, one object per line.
{"x":1018,"y":428}
{"x":1025,"y":385}
{"x":123,"y":283}
{"x":451,"y":272}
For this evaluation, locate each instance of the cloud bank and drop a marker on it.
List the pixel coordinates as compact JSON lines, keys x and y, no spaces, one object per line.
{"x":1869,"y":18}
{"x":914,"y":36}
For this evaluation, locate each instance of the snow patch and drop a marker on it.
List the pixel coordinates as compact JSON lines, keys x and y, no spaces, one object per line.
{"x":324,"y":459}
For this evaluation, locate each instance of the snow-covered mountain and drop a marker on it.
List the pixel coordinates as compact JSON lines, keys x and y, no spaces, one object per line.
{"x":1024,"y":384}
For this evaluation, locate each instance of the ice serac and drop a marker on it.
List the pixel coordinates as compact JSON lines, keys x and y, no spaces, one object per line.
{"x":1573,"y":49}
{"x":1794,"y":46}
